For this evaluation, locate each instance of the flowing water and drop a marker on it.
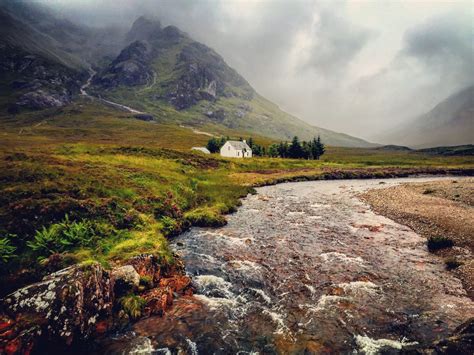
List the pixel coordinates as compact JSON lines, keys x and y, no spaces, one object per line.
{"x":305,"y":268}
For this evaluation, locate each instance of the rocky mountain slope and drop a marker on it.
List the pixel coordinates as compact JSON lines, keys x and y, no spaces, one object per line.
{"x":451,"y":122}
{"x":158,"y":70}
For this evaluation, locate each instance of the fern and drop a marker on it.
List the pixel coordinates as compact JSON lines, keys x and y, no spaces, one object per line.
{"x":7,"y":251}
{"x":62,"y":236}
{"x":133,"y":305}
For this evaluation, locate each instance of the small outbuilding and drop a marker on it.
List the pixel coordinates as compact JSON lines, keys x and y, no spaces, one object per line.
{"x":236,"y":149}
{"x":201,"y":149}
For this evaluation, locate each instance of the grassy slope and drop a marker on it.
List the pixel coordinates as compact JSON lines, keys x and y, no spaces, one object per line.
{"x":112,"y":171}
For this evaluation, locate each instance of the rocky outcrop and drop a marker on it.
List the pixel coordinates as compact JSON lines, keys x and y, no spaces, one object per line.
{"x":41,"y":99}
{"x":64,"y":305}
{"x":130,"y":68}
{"x":143,"y":29}
{"x":144,"y":117}
{"x":461,"y":341}
{"x":39,"y":83}
{"x":126,"y":279}
{"x":83,"y":301}
{"x":205,"y":76}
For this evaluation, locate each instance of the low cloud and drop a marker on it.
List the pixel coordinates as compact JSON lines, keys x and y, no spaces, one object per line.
{"x":355,"y":67}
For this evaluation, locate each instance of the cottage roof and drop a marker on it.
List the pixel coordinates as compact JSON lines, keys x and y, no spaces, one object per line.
{"x":239,"y":145}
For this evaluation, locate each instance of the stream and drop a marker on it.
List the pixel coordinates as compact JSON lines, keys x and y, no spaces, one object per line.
{"x":304,"y":268}
{"x":87,"y":84}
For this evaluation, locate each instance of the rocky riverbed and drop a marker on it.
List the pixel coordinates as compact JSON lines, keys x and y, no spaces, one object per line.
{"x":305,"y":268}
{"x":435,"y":209}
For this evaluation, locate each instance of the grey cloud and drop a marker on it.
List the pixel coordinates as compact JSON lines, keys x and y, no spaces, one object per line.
{"x":335,"y":43}
{"x":445,"y":45}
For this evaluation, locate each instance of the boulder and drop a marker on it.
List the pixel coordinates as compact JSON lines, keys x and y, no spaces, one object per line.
{"x":126,"y":279}
{"x":64,"y":305}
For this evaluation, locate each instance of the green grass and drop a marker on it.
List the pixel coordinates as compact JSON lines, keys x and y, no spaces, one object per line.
{"x":127,"y":185}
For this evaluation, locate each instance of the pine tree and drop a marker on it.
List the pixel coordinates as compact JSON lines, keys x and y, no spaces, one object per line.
{"x":295,"y":150}
{"x":250,"y":142}
{"x":283,"y":150}
{"x":320,"y":149}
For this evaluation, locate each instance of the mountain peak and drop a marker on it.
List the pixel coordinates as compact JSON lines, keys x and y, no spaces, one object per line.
{"x":144,"y":28}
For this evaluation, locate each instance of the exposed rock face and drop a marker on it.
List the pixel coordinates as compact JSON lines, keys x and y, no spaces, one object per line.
{"x":41,"y":99}
{"x":80,"y":302}
{"x":143,"y":29}
{"x":130,"y":68}
{"x":40,"y":82}
{"x":66,"y":304}
{"x":144,"y":117}
{"x":206,"y":77}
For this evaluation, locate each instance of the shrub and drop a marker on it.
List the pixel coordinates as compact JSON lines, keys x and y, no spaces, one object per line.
{"x":133,"y":305}
{"x":439,"y":242}
{"x":452,"y":263}
{"x":7,"y":251}
{"x":428,"y":191}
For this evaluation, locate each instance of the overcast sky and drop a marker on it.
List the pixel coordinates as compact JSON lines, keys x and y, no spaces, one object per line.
{"x":359,"y":67}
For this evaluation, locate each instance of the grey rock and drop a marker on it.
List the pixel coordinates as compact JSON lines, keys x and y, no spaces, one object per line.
{"x":41,"y":99}
{"x":126,"y":278}
{"x":65,"y":304}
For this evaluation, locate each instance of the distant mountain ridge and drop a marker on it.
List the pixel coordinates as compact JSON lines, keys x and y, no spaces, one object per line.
{"x":449,"y":123}
{"x":158,"y":70}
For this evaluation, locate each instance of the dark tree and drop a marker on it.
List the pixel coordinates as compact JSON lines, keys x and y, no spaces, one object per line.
{"x":283,"y":150}
{"x":273,"y":150}
{"x":320,"y":148}
{"x":295,"y":150}
{"x":213,"y":145}
{"x":250,"y":142}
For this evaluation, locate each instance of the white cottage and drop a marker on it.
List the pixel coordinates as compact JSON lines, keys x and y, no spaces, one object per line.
{"x":236,"y":149}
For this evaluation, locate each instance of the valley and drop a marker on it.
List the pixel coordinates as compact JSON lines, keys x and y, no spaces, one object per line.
{"x":117,"y":237}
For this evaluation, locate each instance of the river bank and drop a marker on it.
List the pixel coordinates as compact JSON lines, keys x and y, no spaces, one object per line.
{"x":306,"y":268}
{"x":440,"y":211}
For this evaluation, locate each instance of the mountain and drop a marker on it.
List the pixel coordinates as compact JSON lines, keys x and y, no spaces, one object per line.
{"x":451,"y":122}
{"x":160,"y":71}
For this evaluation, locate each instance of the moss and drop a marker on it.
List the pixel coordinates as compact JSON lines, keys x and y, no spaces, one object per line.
{"x":206,"y":217}
{"x":139,"y":242}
